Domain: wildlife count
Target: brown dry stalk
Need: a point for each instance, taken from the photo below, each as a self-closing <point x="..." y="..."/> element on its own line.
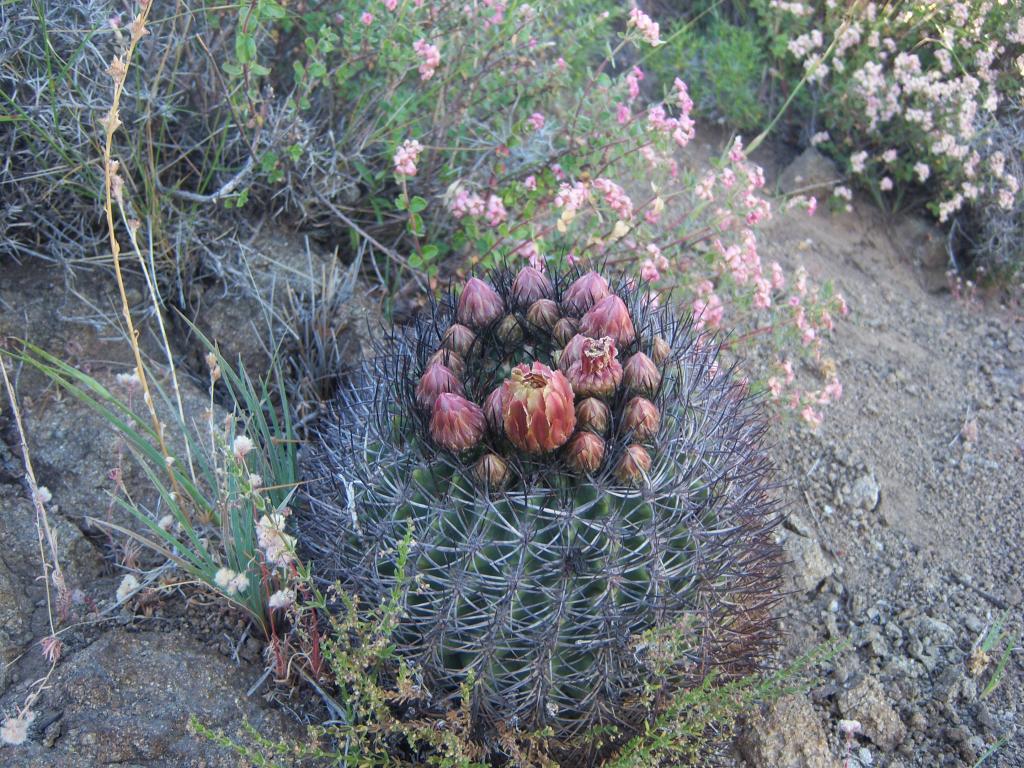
<point x="113" y="186"/>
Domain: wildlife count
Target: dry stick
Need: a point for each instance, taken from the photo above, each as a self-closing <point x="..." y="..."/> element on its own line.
<point x="118" y="72"/>
<point x="46" y="538"/>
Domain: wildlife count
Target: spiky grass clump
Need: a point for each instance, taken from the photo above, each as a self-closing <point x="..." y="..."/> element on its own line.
<point x="534" y="575"/>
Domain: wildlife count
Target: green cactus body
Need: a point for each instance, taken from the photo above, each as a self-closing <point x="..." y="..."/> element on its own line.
<point x="538" y="591"/>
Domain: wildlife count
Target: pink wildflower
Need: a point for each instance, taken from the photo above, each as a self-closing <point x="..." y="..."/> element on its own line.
<point x="885" y="184"/>
<point x="496" y="212"/>
<point x="648" y="29"/>
<point x="649" y="272"/>
<point x="406" y="157"/>
<point x="622" y="114"/>
<point x="812" y="417"/>
<point x="391" y="5"/>
<point x="536" y="121"/>
<point x="366" y="18"/>
<point x="530" y="182"/>
<point x="430" y="58"/>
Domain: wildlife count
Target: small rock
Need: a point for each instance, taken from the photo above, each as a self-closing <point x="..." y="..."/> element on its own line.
<point x="786" y="734"/>
<point x="810" y="565"/>
<point x="810" y="173"/>
<point x="866" y="702"/>
<point x="864" y="493"/>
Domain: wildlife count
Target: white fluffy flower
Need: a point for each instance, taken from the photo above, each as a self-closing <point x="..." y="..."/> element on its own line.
<point x="127" y="586"/>
<point x="241" y="446"/>
<point x="14" y="730"/>
<point x="283" y="598"/>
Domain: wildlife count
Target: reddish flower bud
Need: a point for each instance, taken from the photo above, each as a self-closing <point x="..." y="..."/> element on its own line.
<point x="642" y="417"/>
<point x="436" y="380"/>
<point x="660" y="350"/>
<point x="572" y="351"/>
<point x="531" y="285"/>
<point x="597" y="373"/>
<point x="459" y="338"/>
<point x="543" y="315"/>
<point x="491" y="471"/>
<point x="584" y="293"/>
<point x="593" y="415"/>
<point x="479" y="305"/>
<point x="609" y="317"/>
<point x="457" y="424"/>
<point x="510" y="331"/>
<point x="450" y="359"/>
<point x="634" y="465"/>
<point x="564" y="330"/>
<point x="493" y="412"/>
<point x="641" y="375"/>
<point x="585" y="452"/>
<point x="537" y="405"/>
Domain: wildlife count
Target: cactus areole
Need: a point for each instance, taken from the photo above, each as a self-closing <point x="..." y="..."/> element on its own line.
<point x="567" y="496"/>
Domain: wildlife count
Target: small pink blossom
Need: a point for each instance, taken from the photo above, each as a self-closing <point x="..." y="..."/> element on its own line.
<point x="406" y="157"/>
<point x="391" y="5"/>
<point x="536" y="121"/>
<point x="811" y="417"/>
<point x="812" y="205"/>
<point x="430" y="58"/>
<point x="622" y="114"/>
<point x="649" y="271"/>
<point x="778" y="278"/>
<point x="648" y="29"/>
<point x="495" y="212"/>
<point x="366" y="18"/>
<point x="885" y="184"/>
<point x="530" y="182"/>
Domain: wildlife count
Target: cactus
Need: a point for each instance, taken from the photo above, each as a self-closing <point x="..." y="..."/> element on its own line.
<point x="551" y="527"/>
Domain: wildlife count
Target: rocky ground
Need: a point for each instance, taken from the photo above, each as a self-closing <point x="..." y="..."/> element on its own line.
<point x="905" y="517"/>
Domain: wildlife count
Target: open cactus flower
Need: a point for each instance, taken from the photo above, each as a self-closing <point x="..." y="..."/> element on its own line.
<point x="575" y="472"/>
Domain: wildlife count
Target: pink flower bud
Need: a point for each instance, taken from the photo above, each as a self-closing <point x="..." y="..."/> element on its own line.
<point x="491" y="471"/>
<point x="660" y="350"/>
<point x="459" y="338"/>
<point x="564" y="330"/>
<point x="450" y="359"/>
<point x="537" y="406"/>
<point x="641" y="375"/>
<point x="641" y="416"/>
<point x="543" y="315"/>
<point x="457" y="424"/>
<point x="479" y="305"/>
<point x="584" y="293"/>
<point x="572" y="351"/>
<point x="593" y="415"/>
<point x="493" y="412"/>
<point x="435" y="381"/>
<point x="597" y="373"/>
<point x="585" y="452"/>
<point x="530" y="285"/>
<point x="609" y="317"/>
<point x="634" y="465"/>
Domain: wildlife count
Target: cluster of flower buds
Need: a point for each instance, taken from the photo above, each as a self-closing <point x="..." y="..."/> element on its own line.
<point x="561" y="387"/>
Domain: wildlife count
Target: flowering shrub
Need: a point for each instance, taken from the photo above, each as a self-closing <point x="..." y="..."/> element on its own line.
<point x="570" y="195"/>
<point x="909" y="93"/>
<point x="908" y="97"/>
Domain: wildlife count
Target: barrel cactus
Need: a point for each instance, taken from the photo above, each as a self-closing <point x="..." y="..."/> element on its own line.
<point x="576" y="471"/>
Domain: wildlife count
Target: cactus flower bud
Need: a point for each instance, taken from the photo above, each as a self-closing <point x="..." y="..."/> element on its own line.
<point x="459" y="339"/>
<point x="585" y="452"/>
<point x="436" y="380"/>
<point x="510" y="331"/>
<point x="457" y="424"/>
<point x="660" y="350"/>
<point x="543" y="315"/>
<point x="596" y="373"/>
<point x="593" y="415"/>
<point x="609" y="317"/>
<point x="479" y="305"/>
<point x="531" y="285"/>
<point x="634" y="465"/>
<point x="641" y="375"/>
<point x="642" y="417"/>
<point x="493" y="412"/>
<point x="572" y="351"/>
<point x="450" y="359"/>
<point x="584" y="293"/>
<point x="564" y="330"/>
<point x="491" y="471"/>
<point x="537" y="406"/>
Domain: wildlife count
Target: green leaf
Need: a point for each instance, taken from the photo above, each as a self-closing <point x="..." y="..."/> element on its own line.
<point x="245" y="48"/>
<point x="417" y="204"/>
<point x="430" y="252"/>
